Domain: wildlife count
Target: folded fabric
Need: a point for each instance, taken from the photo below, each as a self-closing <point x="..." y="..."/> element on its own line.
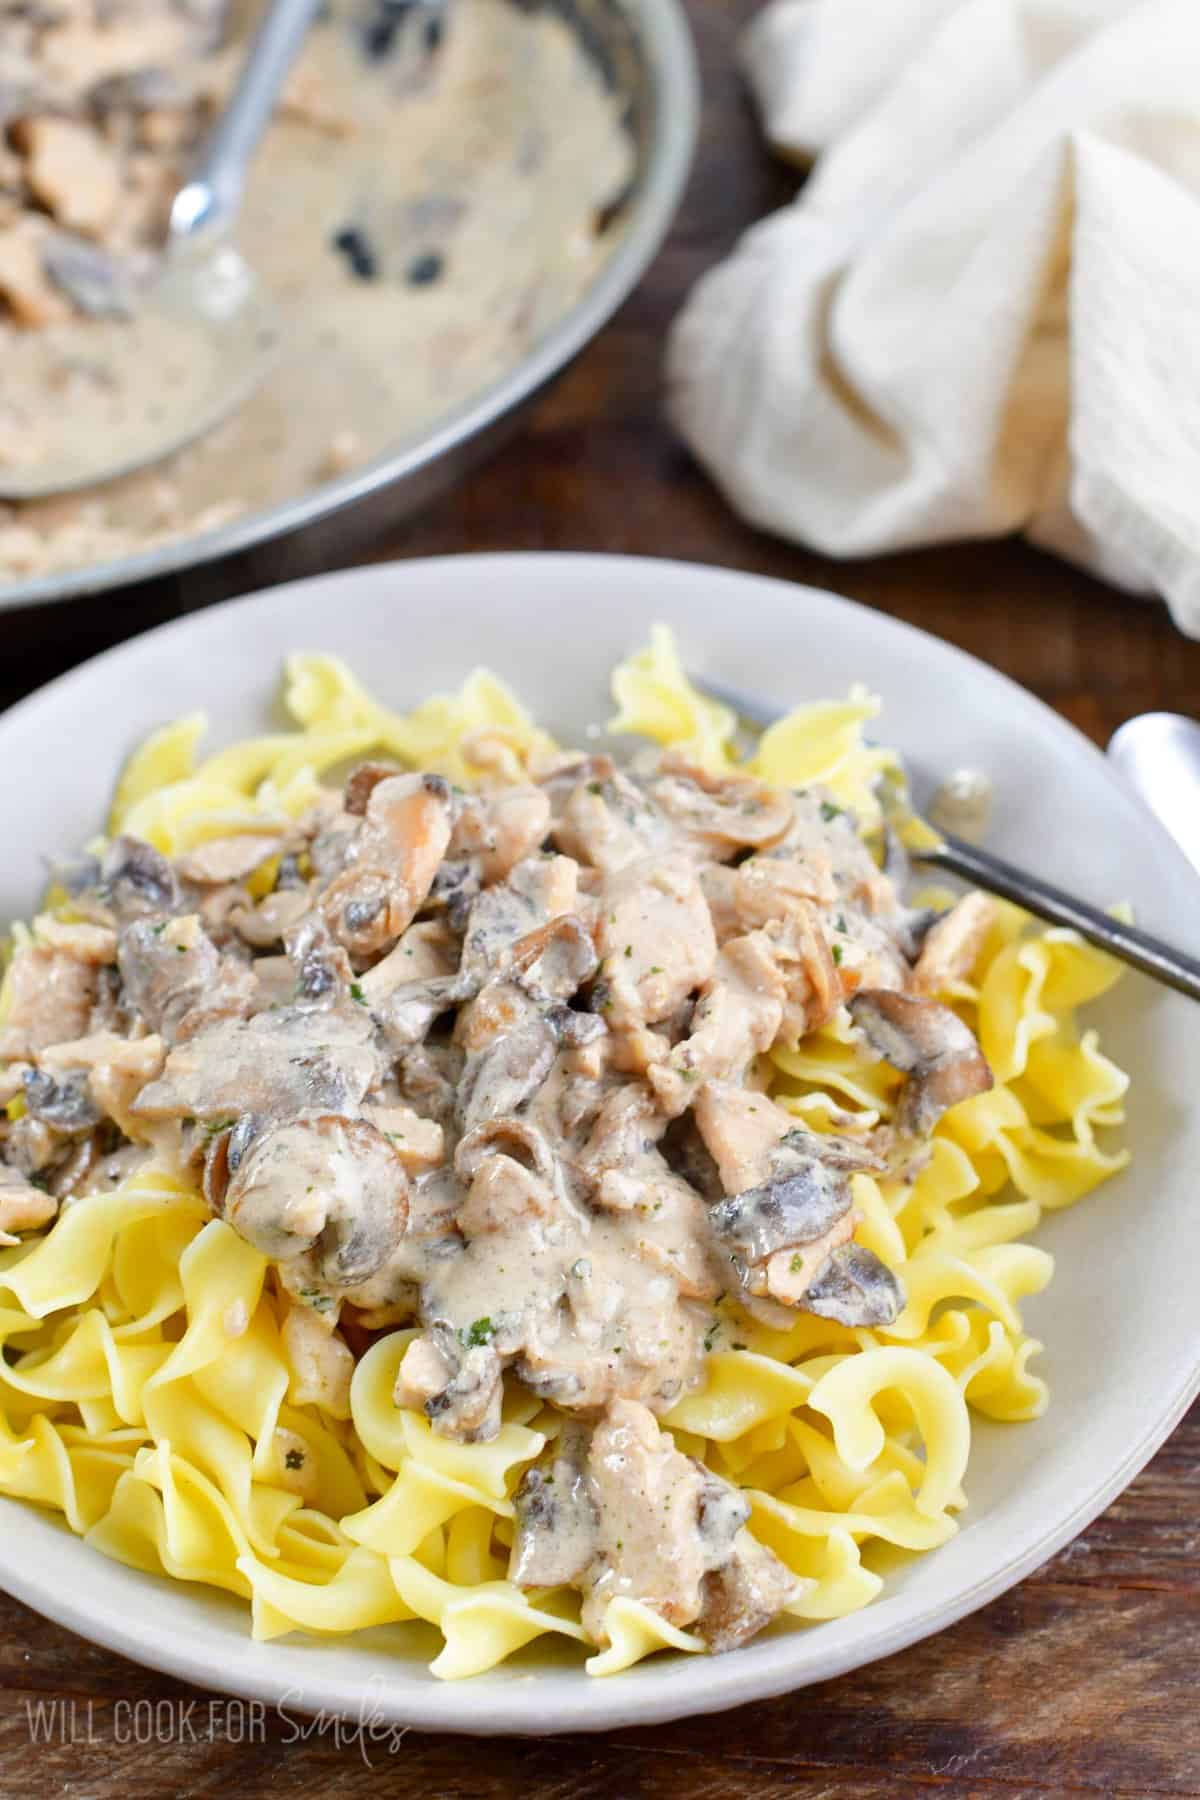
<point x="982" y="313"/>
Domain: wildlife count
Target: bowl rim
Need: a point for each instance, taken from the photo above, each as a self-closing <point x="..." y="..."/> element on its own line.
<point x="468" y="1708"/>
<point x="668" y="53"/>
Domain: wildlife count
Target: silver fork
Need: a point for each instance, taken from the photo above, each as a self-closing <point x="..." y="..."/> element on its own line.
<point x="1138" y="948"/>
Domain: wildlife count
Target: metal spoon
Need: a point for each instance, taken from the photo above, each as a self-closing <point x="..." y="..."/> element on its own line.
<point x="205" y="285"/>
<point x="1159" y="756"/>
<point x="982" y="869"/>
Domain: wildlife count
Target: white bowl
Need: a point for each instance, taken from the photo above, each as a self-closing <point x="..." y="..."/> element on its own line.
<point x="1120" y="1321"/>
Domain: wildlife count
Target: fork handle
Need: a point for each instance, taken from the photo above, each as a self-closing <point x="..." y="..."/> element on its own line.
<point x="1145" y="952"/>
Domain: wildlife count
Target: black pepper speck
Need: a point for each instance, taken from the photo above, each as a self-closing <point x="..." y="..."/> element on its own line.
<point x="425" y="269"/>
<point x="355" y="246"/>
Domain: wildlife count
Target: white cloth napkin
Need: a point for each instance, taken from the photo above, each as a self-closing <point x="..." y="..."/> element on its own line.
<point x="982" y="313"/>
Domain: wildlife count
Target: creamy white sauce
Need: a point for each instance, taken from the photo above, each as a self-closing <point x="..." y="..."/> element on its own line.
<point x="475" y="201"/>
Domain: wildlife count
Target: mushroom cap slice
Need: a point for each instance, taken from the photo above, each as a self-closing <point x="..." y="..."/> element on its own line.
<point x="324" y="1184"/>
<point x="796" y="1207"/>
<point x="855" y="1288"/>
<point x="930" y="1043"/>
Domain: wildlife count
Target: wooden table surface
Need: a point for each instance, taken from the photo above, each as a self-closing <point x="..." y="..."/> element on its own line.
<point x="1083" y="1680"/>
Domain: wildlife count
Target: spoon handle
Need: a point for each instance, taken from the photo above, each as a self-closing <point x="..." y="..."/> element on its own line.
<point x="1159" y="756"/>
<point x="1150" y="954"/>
<point x="210" y="198"/>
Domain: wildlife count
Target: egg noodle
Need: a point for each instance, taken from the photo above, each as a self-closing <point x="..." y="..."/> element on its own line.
<point x="145" y="1389"/>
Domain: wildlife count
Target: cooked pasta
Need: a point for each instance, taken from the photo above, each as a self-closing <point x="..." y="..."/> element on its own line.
<point x="172" y="1381"/>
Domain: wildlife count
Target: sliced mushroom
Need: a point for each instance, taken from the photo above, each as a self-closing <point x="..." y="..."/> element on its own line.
<point x="855" y="1288"/>
<point x="791" y="1209"/>
<point x="265" y="925"/>
<point x="511" y="1049"/>
<point x="327" y="1185"/>
<point x="457" y="1385"/>
<point x="324" y="975"/>
<point x="512" y="1031"/>
<point x="136" y="879"/>
<point x="275" y="1064"/>
<point x="939" y="1054"/>
<point x="67" y="1104"/>
<point x="748" y="1590"/>
<point x="175" y="978"/>
<point x="556" y="1517"/>
<point x="720" y="815"/>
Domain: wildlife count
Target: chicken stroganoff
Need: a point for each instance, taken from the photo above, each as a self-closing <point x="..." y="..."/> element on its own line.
<point x="564" y="1136"/>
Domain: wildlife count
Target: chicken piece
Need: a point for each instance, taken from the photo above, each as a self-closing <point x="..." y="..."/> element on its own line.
<point x="655" y="938"/>
<point x="741" y="1129"/>
<point x="938" y="1053"/>
<point x="320" y="1365"/>
<point x="719" y="885"/>
<point x="672" y="1234"/>
<point x="768" y="888"/>
<point x="89" y="943"/>
<point x="518" y="819"/>
<point x="419" y="1143"/>
<point x="51" y="997"/>
<point x="226" y="859"/>
<point x="330" y="1186"/>
<point x="737" y="1017"/>
<point x="424" y="953"/>
<point x="824" y="834"/>
<point x="390" y="863"/>
<point x="647" y="1498"/>
<point x="25" y="288"/>
<point x="789" y="1275"/>
<point x="71" y="170"/>
<point x="458" y="1386"/>
<point x="750" y="1138"/>
<point x="504" y="1193"/>
<point x="951" y="945"/>
<point x="273" y="1065"/>
<point x="23" y="1207"/>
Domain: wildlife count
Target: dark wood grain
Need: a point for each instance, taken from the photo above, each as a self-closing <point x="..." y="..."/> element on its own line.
<point x="1082" y="1681"/>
